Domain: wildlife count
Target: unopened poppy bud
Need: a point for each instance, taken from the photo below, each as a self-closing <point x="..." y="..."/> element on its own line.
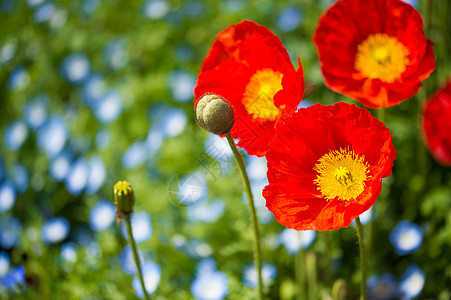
<point x="123" y="199"/>
<point x="214" y="114"/>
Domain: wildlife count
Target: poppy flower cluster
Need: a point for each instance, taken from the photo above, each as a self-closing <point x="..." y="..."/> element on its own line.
<point x="325" y="163"/>
<point x="373" y="51"/>
<point x="436" y="122"/>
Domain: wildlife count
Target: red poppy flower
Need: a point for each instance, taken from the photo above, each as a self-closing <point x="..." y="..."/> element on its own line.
<point x="325" y="166"/>
<point x="373" y="51"/>
<point x="248" y="67"/>
<point x="436" y="125"/>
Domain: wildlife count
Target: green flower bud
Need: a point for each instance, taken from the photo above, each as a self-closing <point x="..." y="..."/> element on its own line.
<point x="123" y="199"/>
<point x="214" y="114"/>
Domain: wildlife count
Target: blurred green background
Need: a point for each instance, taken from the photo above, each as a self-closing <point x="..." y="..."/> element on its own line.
<point x="98" y="91"/>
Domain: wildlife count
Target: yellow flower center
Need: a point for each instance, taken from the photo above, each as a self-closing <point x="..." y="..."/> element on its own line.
<point x="122" y="188"/>
<point x="382" y="57"/>
<point x="341" y="173"/>
<point x="258" y="98"/>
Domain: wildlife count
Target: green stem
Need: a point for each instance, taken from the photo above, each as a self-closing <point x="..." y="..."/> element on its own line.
<point x="131" y="241"/>
<point x="299" y="273"/>
<point x="363" y="260"/>
<point x="310" y="263"/>
<point x="254" y="220"/>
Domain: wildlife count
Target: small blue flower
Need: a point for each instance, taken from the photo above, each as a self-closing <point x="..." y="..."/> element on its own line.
<point x="77" y="176"/>
<point x="69" y="252"/>
<point x="102" y="215"/>
<point x="294" y="240"/>
<point x="206" y="265"/>
<point x="52" y="136"/>
<point x="35" y="112"/>
<point x="155" y="9"/>
<point x="412" y="282"/>
<point x="210" y="285"/>
<point x="15" y="135"/>
<point x="192" y="188"/>
<point x="206" y="212"/>
<point x="383" y="287"/>
<point x="173" y="123"/>
<point x="75" y="68"/>
<point x="19" y="177"/>
<point x="60" y="165"/>
<point x="55" y="230"/>
<point x="154" y="140"/>
<point x="406" y="237"/>
<point x="197" y="249"/>
<point x="256" y="169"/>
<point x="10" y="229"/>
<point x="135" y="155"/>
<point x="89" y="6"/>
<point x="181" y="84"/>
<point x="97" y="174"/>
<point x="93" y="89"/>
<point x="109" y="107"/>
<point x="18" y="79"/>
<point x="151" y="275"/>
<point x="35" y="3"/>
<point x="115" y="54"/>
<point x="289" y="18"/>
<point x="4" y="263"/>
<point x="250" y="275"/>
<point x="141" y="227"/>
<point x="127" y="260"/>
<point x="7" y="196"/>
<point x="44" y="12"/>
<point x="7" y="52"/>
<point x="218" y="148"/>
<point x="14" y="278"/>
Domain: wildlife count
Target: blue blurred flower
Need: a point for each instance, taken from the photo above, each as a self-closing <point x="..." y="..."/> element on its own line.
<point x="294" y="240"/>
<point x="412" y="282"/>
<point x="250" y="275"/>
<point x="93" y="89"/>
<point x="55" y="230"/>
<point x="96" y="177"/>
<point x="7" y="52"/>
<point x="19" y="177"/>
<point x="192" y="188"/>
<point x="154" y="140"/>
<point x="52" y="136"/>
<point x="115" y="54"/>
<point x="206" y="265"/>
<point x="58" y="19"/>
<point x="414" y="3"/>
<point x="127" y="260"/>
<point x="69" y="252"/>
<point x="4" y="263"/>
<point x="15" y="135"/>
<point x="44" y="12"/>
<point x="10" y="229"/>
<point x="264" y="215"/>
<point x="7" y="196"/>
<point x="183" y="53"/>
<point x="232" y="6"/>
<point x="18" y="79"/>
<point x="174" y="122"/>
<point x="151" y="275"/>
<point x="256" y="169"/>
<point x="406" y="237"/>
<point x="205" y="211"/>
<point x="102" y="215"/>
<point x="77" y="176"/>
<point x="109" y="107"/>
<point x="193" y="8"/>
<point x="155" y="9"/>
<point x="141" y="226"/>
<point x="305" y="103"/>
<point x="75" y="68"/>
<point x="7" y="5"/>
<point x="89" y="6"/>
<point x="14" y="278"/>
<point x="197" y="249"/>
<point x="218" y="147"/>
<point x="210" y="285"/>
<point x="35" y="111"/>
<point x="181" y="84"/>
<point x="383" y="287"/>
<point x="35" y="3"/>
<point x="60" y="165"/>
<point x="289" y="18"/>
<point x="135" y="155"/>
<point x="103" y="139"/>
